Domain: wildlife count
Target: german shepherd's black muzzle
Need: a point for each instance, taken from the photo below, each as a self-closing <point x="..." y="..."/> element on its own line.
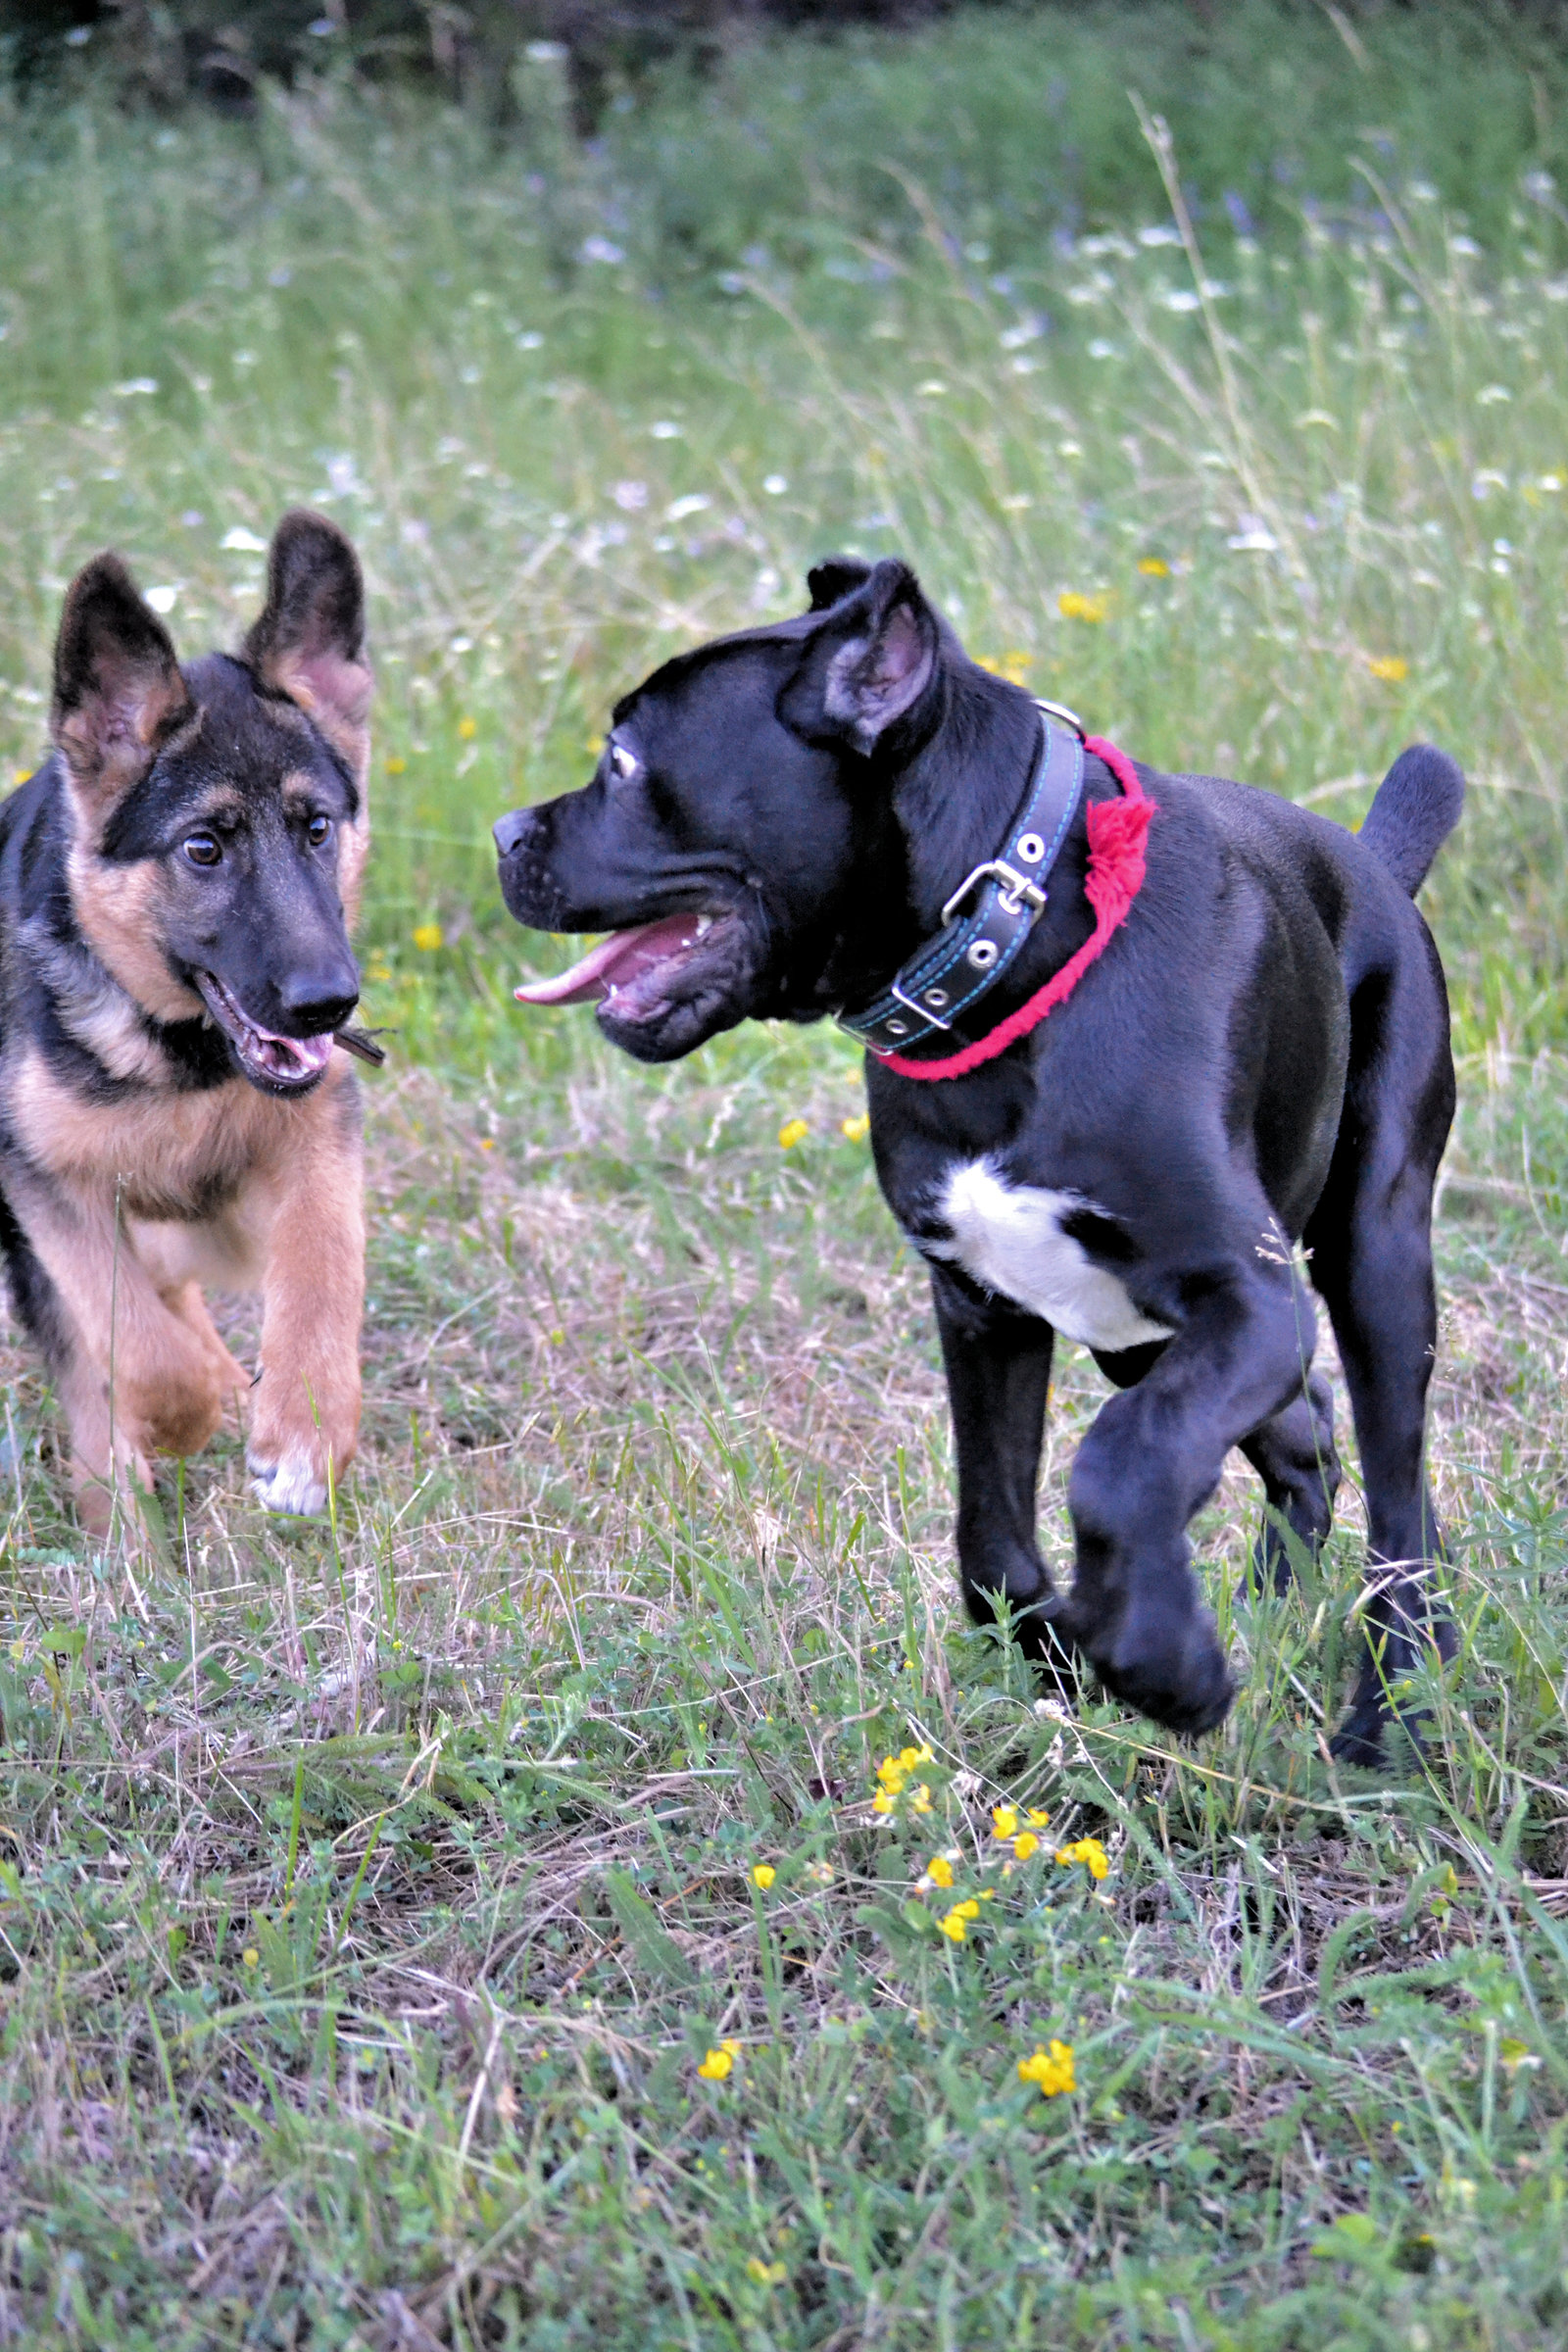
<point x="1257" y="1066"/>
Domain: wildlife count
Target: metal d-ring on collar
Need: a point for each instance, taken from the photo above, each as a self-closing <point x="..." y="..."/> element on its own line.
<point x="940" y="984"/>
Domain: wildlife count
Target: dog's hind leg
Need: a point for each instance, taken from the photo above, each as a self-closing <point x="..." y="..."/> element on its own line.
<point x="1293" y="1454"/>
<point x="998" y="1362"/>
<point x="1371" y="1236"/>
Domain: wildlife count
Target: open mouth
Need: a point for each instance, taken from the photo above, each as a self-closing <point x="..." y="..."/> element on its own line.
<point x="283" y="1066"/>
<point x="637" y="974"/>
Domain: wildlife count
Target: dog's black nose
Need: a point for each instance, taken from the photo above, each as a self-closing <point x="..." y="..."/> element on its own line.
<point x="510" y="830"/>
<point x="313" y="1002"/>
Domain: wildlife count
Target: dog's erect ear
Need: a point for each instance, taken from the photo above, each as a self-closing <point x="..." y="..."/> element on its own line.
<point x="831" y="580"/>
<point x="868" y="664"/>
<point x="118" y="691"/>
<point x="310" y="640"/>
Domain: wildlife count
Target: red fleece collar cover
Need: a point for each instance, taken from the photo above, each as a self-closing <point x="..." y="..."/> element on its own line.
<point x="1118" y="831"/>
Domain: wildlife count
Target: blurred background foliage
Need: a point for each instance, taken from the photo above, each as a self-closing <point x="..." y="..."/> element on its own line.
<point x="1258" y="90"/>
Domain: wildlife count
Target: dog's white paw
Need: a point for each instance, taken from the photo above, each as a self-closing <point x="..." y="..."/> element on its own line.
<point x="290" y="1485"/>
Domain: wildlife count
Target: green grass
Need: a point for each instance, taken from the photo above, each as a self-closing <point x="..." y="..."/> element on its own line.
<point x="371" y="1892"/>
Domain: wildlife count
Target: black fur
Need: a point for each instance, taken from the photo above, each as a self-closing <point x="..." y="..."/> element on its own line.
<point x="1260" y="1059"/>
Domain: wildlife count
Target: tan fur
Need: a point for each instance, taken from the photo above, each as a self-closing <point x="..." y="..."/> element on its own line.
<point x="107" y="1200"/>
<point x="307" y="1410"/>
<point x="338" y="712"/>
<point x="107" y="741"/>
<point x="118" y="907"/>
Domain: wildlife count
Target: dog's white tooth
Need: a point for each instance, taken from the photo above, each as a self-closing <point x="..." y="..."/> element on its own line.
<point x="705" y="922"/>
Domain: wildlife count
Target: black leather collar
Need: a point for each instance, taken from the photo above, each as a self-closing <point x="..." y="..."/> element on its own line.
<point x="934" y="1000"/>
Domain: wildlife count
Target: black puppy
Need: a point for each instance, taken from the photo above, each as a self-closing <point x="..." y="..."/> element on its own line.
<point x="843" y="814"/>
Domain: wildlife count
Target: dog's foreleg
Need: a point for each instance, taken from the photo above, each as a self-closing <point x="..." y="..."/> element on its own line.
<point x="998" y="1362"/>
<point x="1293" y="1454"/>
<point x="306" y="1419"/>
<point x="1151" y="1460"/>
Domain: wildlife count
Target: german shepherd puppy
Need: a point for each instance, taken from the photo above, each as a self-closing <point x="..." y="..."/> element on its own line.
<point x="176" y="883"/>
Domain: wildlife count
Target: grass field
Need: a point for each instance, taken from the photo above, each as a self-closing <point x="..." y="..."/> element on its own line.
<point x="376" y="1895"/>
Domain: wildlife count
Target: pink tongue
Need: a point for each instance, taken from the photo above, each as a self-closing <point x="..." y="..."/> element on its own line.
<point x="315" y="1052"/>
<point x="616" y="961"/>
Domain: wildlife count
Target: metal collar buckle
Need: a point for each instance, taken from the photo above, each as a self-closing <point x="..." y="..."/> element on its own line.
<point x="1017" y="891"/>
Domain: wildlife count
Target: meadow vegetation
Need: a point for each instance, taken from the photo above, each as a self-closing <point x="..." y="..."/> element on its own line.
<point x="488" y="1916"/>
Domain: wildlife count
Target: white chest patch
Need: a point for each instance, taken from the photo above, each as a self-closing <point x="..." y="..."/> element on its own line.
<point x="1009" y="1238"/>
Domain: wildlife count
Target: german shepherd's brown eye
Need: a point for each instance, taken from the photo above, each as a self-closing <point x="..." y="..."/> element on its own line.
<point x="202" y="850"/>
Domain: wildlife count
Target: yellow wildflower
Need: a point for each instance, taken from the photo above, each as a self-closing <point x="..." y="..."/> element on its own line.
<point x="428" y="937"/>
<point x="793" y="1132"/>
<point x="1153" y="567"/>
<point x="1037" y="1819"/>
<point x="938" y="1870"/>
<point x="882" y="1802"/>
<point x="856" y="1131"/>
<point x="1051" y="2070"/>
<point x="1393" y="668"/>
<point x="1024" y="1844"/>
<point x="250" y="1955"/>
<point x="920" y="1801"/>
<point x="1088" y="1851"/>
<point x="763" y="1875"/>
<point x="396" y="765"/>
<point x="765" y="2274"/>
<point x="716" y="2064"/>
<point x="957" y="1922"/>
<point x="1003" y="1822"/>
<point x="1073" y="606"/>
<point x="467" y="729"/>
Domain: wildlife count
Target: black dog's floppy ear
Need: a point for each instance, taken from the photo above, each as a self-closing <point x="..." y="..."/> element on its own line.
<point x="831" y="580"/>
<point x="309" y="642"/>
<point x="868" y="664"/>
<point x="118" y="691"/>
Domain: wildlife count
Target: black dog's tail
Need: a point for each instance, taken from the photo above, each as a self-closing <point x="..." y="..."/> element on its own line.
<point x="1416" y="808"/>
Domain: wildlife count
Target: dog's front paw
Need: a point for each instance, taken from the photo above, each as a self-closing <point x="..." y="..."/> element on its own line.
<point x="1169" y="1666"/>
<point x="295" y="1482"/>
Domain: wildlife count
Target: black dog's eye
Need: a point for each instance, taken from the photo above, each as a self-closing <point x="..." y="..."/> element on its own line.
<point x="622" y="764"/>
<point x="202" y="850"/>
<point x="318" y="832"/>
